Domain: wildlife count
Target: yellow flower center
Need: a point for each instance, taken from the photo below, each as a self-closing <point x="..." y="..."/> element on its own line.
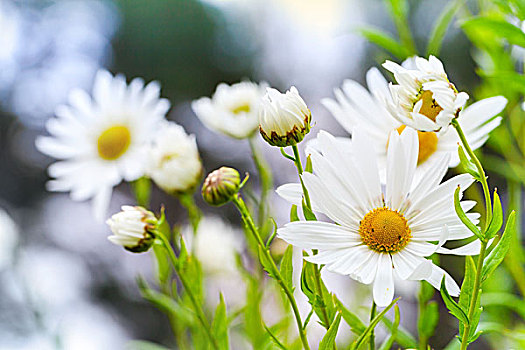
<point x="428" y="141"/>
<point x="429" y="108"/>
<point x="113" y="142"/>
<point x="241" y="108"/>
<point x="384" y="230"/>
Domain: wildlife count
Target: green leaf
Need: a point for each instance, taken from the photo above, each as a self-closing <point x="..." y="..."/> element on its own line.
<point x="463" y="217"/>
<point x="403" y="338"/>
<point x="451" y="304"/>
<point x="253" y="324"/>
<point x="497" y="217"/>
<point x="144" y="345"/>
<point x="387" y="344"/>
<point x="510" y="79"/>
<point x="384" y="41"/>
<point x="328" y="341"/>
<point x="310" y="289"/>
<point x="499" y="27"/>
<point x="162" y="263"/>
<point x="308" y="214"/>
<point x="287" y="268"/>
<point x="465" y="295"/>
<point x="275" y="339"/>
<point x="359" y="341"/>
<point x="142" y="191"/>
<point x="440" y="28"/>
<point x="356" y="325"/>
<point x="507" y="300"/>
<point x="309" y="168"/>
<point x="272" y="236"/>
<point x="467" y="165"/>
<point x="266" y="264"/>
<point x="219" y="326"/>
<point x="428" y="319"/>
<point x="293" y="214"/>
<point x="497" y="255"/>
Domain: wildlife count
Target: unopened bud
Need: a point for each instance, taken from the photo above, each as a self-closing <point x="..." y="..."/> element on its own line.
<point x="133" y="228"/>
<point x="220" y="186"/>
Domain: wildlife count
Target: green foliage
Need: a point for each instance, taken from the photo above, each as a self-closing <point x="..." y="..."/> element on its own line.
<point x="465" y="296"/>
<point x="467" y="165"/>
<point x="361" y="339"/>
<point x="356" y="325"/>
<point x="266" y="263"/>
<point x="440" y="28"/>
<point x="319" y="304"/>
<point x="497" y="217"/>
<point x="328" y="341"/>
<point x="387" y="344"/>
<point x="385" y="41"/>
<point x="403" y="337"/>
<point x="499" y="27"/>
<point x="293" y="214"/>
<point x="308" y="213"/>
<point x="463" y="217"/>
<point x="428" y="311"/>
<point x="506" y="300"/>
<point x="219" y="325"/>
<point x="452" y="306"/>
<point x="253" y="324"/>
<point x="287" y="267"/>
<point x="497" y="255"/>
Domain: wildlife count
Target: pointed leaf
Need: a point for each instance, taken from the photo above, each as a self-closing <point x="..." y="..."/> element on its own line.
<point x="385" y="41"/>
<point x="403" y="338"/>
<point x="451" y="304"/>
<point x="266" y="264"/>
<point x="463" y="217"/>
<point x="467" y="165"/>
<point x="287" y="268"/>
<point x="309" y="168"/>
<point x="328" y="341"/>
<point x="440" y="28"/>
<point x="499" y="27"/>
<point x="293" y="214"/>
<point x="275" y="339"/>
<point x="308" y="213"/>
<point x="219" y="325"/>
<point x="497" y="255"/>
<point x="497" y="217"/>
<point x="356" y="325"/>
<point x="387" y="344"/>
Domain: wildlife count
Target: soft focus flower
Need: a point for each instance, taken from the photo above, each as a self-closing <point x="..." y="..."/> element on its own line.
<point x="220" y="186"/>
<point x="102" y="140"/>
<point x="215" y="245"/>
<point x="133" y="228"/>
<point x="8" y="237"/>
<point x="354" y="106"/>
<point x="175" y="164"/>
<point x="424" y="98"/>
<point x="284" y="119"/>
<point x="381" y="233"/>
<point x="232" y="110"/>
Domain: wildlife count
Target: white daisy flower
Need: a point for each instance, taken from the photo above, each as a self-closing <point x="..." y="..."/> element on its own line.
<point x="284" y="119"/>
<point x="355" y="106"/>
<point x="380" y="232"/>
<point x="101" y="141"/>
<point x="174" y="161"/>
<point x="232" y="109"/>
<point x="424" y="98"/>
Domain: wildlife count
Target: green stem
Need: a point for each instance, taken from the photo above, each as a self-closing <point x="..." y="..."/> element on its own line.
<point x="483" y="177"/>
<point x="372" y="342"/>
<point x="248" y="221"/>
<point x="196" y="305"/>
<point x="475" y="295"/>
<point x="317" y="271"/>
<point x="300" y="171"/>
<point x="266" y="183"/>
<point x="194" y="213"/>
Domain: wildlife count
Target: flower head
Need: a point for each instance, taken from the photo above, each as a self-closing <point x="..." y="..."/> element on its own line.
<point x="174" y="161"/>
<point x="284" y="119"/>
<point x="232" y="110"/>
<point x="133" y="228"/>
<point x="220" y="186"/>
<point x="354" y="106"/>
<point x="382" y="232"/>
<point x="101" y="140"/>
<point x="424" y="98"/>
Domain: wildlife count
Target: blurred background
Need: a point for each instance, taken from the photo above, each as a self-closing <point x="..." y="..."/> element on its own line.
<point x="64" y="286"/>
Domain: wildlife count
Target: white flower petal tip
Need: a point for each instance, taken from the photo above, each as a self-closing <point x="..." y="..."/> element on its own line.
<point x="232" y="110"/>
<point x="292" y="192"/>
<point x="133" y="228"/>
<point x="380" y="230"/>
<point x="284" y="119"/>
<point x="102" y="139"/>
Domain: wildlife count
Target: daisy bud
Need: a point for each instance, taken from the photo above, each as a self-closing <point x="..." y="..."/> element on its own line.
<point x="284" y="119"/>
<point x="220" y="186"/>
<point x="133" y="228"/>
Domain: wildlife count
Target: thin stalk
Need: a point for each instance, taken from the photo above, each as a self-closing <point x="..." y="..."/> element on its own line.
<point x="266" y="183"/>
<point x="248" y="221"/>
<point x="372" y="342"/>
<point x="194" y="213"/>
<point x="475" y="295"/>
<point x="317" y="271"/>
<point x="477" y="163"/>
<point x="196" y="305"/>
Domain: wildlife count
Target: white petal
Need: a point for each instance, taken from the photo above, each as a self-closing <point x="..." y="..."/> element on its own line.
<point x="383" y="290"/>
<point x="292" y="192"/>
<point x="318" y="235"/>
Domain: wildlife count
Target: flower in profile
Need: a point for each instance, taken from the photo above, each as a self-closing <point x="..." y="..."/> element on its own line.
<point x="381" y="233"/>
<point x="101" y="141"/>
<point x="424" y="98"/>
<point x="174" y="161"/>
<point x="133" y="228"/>
<point x="284" y="119"/>
<point x="354" y="106"/>
<point x="232" y="109"/>
<point x="220" y="186"/>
